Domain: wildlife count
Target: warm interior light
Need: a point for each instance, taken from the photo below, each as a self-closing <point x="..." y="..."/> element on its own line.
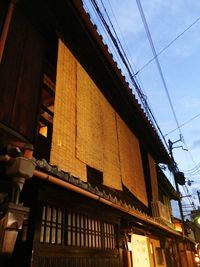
<point x="178" y="227"/>
<point x="196" y="258"/>
<point x="43" y="131"/>
<point x="151" y="248"/>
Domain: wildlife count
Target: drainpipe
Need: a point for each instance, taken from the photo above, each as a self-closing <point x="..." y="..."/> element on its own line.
<point x="74" y="188"/>
<point x="6" y="27"/>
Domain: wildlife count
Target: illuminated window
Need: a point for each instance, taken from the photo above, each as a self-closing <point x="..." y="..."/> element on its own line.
<point x="46" y="113"/>
<point x="43" y="130"/>
<point x="70" y="228"/>
<point x="51" y="227"/>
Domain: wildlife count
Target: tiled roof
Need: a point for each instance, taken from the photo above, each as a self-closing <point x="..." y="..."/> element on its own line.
<point x="118" y="203"/>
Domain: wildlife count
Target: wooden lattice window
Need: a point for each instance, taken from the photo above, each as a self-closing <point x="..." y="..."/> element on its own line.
<point x="69" y="228"/>
<point x="159" y="256"/>
<point x="51" y="228"/>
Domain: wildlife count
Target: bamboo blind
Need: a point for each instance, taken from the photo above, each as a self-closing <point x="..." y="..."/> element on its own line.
<point x="112" y="168"/>
<point x="131" y="163"/>
<point x="89" y="122"/>
<point x="87" y="130"/>
<point x="64" y="130"/>
<point x="97" y="143"/>
<point x="153" y="174"/>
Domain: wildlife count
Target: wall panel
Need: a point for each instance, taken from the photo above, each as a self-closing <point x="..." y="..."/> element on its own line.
<point x="20" y="75"/>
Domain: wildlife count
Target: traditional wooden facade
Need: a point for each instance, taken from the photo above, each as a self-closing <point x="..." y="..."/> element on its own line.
<point x="91" y="194"/>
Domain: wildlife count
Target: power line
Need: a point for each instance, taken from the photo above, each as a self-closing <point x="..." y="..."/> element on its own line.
<point x="183" y="124"/>
<point x="123" y="57"/>
<point x="117" y="38"/>
<point x="111" y="32"/>
<point x="127" y="65"/>
<point x="195" y="172"/>
<point x="167" y="46"/>
<point x="119" y="42"/>
<point x="189" y="198"/>
<point x="157" y="61"/>
<point x="137" y="78"/>
<point x="195" y="168"/>
<point x="102" y="26"/>
<point x="127" y="49"/>
<point x="161" y="73"/>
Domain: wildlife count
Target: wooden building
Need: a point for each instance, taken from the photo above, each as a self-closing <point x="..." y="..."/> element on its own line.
<point x="80" y="183"/>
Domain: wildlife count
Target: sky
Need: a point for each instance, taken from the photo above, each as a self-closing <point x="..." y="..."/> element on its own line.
<point x="180" y="67"/>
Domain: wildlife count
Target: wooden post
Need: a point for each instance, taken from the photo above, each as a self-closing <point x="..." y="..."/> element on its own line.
<point x="6" y="27"/>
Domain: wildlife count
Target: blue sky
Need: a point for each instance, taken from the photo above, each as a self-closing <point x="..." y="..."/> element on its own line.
<point x="179" y="63"/>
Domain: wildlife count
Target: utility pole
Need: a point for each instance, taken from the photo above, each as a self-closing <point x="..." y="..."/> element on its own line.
<point x="174" y="171"/>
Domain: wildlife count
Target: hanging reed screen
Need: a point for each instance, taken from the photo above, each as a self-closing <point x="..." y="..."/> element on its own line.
<point x="88" y="131"/>
<point x="97" y="143"/>
<point x="153" y="174"/>
<point x="64" y="130"/>
<point x="131" y="162"/>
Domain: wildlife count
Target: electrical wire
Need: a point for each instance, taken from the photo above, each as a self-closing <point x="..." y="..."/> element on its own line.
<point x="126" y="47"/>
<point x="183" y="124"/>
<point x="194" y="173"/>
<point x="138" y="80"/>
<point x="167" y="46"/>
<point x="119" y="46"/>
<point x="157" y="61"/>
<point x="121" y="54"/>
<point x="105" y="32"/>
<point x="117" y="38"/>
<point x="189" y="198"/>
<point x="162" y="77"/>
<point x="161" y="73"/>
<point x="129" y="71"/>
<point x="193" y="170"/>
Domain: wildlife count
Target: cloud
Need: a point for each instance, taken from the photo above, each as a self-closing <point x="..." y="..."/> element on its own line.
<point x="167" y="19"/>
<point x="195" y="144"/>
<point x="189" y="102"/>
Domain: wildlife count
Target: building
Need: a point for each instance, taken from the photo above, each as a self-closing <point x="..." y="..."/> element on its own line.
<point x="80" y="180"/>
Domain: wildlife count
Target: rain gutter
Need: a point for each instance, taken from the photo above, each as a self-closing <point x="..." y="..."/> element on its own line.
<point x="128" y="210"/>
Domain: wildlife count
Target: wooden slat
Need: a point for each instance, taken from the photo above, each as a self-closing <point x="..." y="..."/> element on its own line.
<point x="20" y="79"/>
<point x="74" y="261"/>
